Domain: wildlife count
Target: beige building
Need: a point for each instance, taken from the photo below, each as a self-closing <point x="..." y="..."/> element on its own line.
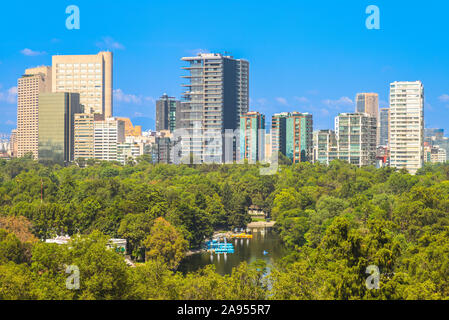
<point x="30" y="85"/>
<point x="369" y="103"/>
<point x="407" y="125"/>
<point x="89" y="75"/>
<point x="13" y="144"/>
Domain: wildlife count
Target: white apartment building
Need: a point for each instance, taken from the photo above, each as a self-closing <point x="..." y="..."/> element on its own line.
<point x="89" y="75"/>
<point x="407" y="125"/>
<point x="356" y="135"/>
<point x="108" y="134"/>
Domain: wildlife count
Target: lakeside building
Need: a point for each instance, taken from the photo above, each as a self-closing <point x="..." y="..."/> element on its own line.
<point x="217" y="93"/>
<point x="252" y="137"/>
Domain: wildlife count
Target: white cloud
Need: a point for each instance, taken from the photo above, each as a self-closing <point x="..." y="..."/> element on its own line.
<point x="282" y="101"/>
<point x="9" y="96"/>
<point x="121" y="96"/>
<point x="31" y="53"/>
<point x="302" y="99"/>
<point x="444" y="98"/>
<point x="110" y="44"/>
<point x="10" y="123"/>
<point x="342" y="102"/>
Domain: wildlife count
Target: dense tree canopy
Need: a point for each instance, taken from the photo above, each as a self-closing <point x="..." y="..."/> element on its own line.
<point x="335" y="220"/>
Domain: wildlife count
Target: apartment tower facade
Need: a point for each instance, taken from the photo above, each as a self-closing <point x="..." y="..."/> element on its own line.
<point x="89" y="75"/>
<point x="216" y="96"/>
<point x="166" y="108"/>
<point x="407" y="125"/>
<point x="34" y="82"/>
<point x="356" y="138"/>
<point x="252" y="137"/>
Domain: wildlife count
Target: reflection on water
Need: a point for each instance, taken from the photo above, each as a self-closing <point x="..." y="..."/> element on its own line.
<point x="248" y="250"/>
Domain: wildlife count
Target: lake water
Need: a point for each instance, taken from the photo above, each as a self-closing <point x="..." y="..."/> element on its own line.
<point x="247" y="250"/>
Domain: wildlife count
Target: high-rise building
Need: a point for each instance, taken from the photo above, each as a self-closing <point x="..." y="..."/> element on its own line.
<point x="108" y="134"/>
<point x="84" y="134"/>
<point x="161" y="150"/>
<point x="435" y="137"/>
<point x="215" y="97"/>
<point x="34" y="82"/>
<point x="369" y="103"/>
<point x="407" y="125"/>
<point x="127" y="151"/>
<point x="325" y="147"/>
<point x="56" y="126"/>
<point x="433" y="132"/>
<point x="166" y="108"/>
<point x="384" y="131"/>
<point x="89" y="75"/>
<point x="13" y="144"/>
<point x="278" y="129"/>
<point x="299" y="137"/>
<point x="356" y="136"/>
<point x="434" y="154"/>
<point x="252" y="137"/>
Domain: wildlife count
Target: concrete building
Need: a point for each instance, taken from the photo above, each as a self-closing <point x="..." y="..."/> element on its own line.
<point x="108" y="134"/>
<point x="325" y="147"/>
<point x="356" y="136"/>
<point x="127" y="151"/>
<point x="384" y="130"/>
<point x="166" y="108"/>
<point x="278" y="129"/>
<point x="369" y="103"/>
<point x="13" y="144"/>
<point x="434" y="154"/>
<point x="56" y="126"/>
<point x="130" y="129"/>
<point x="34" y="82"/>
<point x="89" y="75"/>
<point x="252" y="137"/>
<point x="407" y="125"/>
<point x="161" y="151"/>
<point x="435" y="137"/>
<point x="215" y="97"/>
<point x="84" y="134"/>
<point x="299" y="137"/>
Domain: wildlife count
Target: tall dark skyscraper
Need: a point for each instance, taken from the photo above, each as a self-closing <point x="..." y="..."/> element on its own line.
<point x="216" y="95"/>
<point x="384" y="126"/>
<point x="166" y="109"/>
<point x="56" y="126"/>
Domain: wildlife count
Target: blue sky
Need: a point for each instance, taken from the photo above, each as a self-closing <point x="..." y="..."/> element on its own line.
<point x="308" y="56"/>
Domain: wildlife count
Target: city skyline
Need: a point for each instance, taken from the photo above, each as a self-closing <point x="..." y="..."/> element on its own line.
<point x="311" y="72"/>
